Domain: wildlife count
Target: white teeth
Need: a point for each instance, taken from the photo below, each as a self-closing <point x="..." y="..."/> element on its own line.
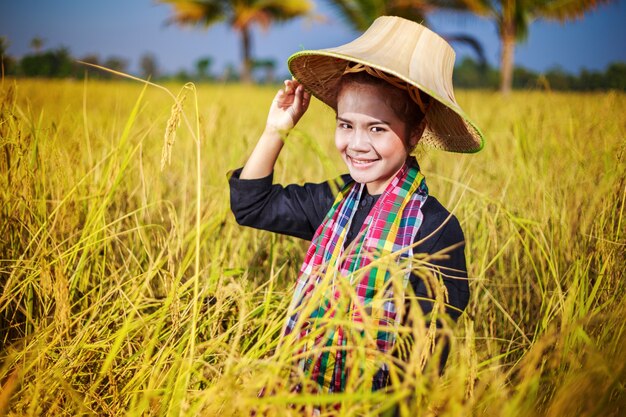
<point x="361" y="161"/>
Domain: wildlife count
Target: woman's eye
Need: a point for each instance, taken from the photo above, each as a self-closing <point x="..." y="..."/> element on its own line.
<point x="344" y="126"/>
<point x="377" y="129"/>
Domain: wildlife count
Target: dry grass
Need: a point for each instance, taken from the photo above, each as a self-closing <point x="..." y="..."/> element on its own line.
<point x="117" y="298"/>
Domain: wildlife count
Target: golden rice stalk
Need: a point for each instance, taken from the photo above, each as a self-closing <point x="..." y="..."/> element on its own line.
<point x="62" y="300"/>
<point x="175" y="309"/>
<point x="170" y="130"/>
<point x="45" y="278"/>
<point x="431" y="336"/>
<point x="470" y="355"/>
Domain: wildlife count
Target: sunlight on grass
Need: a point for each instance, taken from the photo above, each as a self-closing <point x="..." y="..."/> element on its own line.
<point x="130" y="290"/>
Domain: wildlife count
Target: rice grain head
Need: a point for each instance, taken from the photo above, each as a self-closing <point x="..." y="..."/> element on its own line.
<point x="62" y="300"/>
<point x="170" y="130"/>
<point x="471" y="358"/>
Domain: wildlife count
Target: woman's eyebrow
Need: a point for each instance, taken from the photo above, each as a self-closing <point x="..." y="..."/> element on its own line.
<point x="375" y="122"/>
<point x="378" y="122"/>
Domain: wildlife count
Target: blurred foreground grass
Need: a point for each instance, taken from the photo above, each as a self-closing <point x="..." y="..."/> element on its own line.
<point x="116" y="301"/>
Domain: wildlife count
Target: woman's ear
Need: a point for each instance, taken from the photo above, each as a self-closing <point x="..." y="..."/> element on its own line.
<point x="416" y="134"/>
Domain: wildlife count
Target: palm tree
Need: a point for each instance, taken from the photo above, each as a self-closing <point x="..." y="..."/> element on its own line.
<point x="359" y="14"/>
<point x="240" y="15"/>
<point x="513" y="18"/>
<point x="37" y="43"/>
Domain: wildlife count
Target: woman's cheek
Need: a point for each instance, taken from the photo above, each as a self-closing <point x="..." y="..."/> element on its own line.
<point x="341" y="141"/>
<point x="390" y="145"/>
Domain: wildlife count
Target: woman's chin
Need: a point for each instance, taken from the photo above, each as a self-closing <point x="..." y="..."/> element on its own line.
<point x="359" y="177"/>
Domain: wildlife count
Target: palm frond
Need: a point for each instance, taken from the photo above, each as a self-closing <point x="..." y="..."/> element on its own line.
<point x="357" y="14"/>
<point x="472" y="42"/>
<point x="480" y="7"/>
<point x="564" y="10"/>
<point x="266" y="12"/>
<point x="196" y="12"/>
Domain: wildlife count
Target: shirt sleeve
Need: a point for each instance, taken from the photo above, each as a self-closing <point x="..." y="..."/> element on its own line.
<point x="441" y="235"/>
<point x="294" y="210"/>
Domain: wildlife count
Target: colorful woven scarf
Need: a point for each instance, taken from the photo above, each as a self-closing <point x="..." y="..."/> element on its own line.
<point x="354" y="285"/>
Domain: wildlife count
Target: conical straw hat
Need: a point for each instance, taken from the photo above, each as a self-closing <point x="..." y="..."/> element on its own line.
<point x="408" y="51"/>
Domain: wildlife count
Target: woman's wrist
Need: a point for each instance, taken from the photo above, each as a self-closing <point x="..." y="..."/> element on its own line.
<point x="274" y="134"/>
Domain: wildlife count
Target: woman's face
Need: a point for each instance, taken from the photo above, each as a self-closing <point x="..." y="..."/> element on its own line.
<point x="370" y="137"/>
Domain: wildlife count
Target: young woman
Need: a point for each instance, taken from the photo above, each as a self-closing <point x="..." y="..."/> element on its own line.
<point x="391" y="88"/>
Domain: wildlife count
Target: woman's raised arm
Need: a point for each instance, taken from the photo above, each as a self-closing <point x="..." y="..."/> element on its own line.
<point x="288" y="106"/>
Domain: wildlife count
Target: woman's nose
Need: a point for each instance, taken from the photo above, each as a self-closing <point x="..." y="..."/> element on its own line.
<point x="359" y="140"/>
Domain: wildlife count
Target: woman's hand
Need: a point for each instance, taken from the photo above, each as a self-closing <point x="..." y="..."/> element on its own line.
<point x="288" y="106"/>
<point x="286" y="110"/>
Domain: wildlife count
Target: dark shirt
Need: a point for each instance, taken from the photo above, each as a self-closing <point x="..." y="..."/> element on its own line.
<point x="298" y="210"/>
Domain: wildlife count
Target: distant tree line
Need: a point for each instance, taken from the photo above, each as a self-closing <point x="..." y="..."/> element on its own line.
<point x="59" y="63"/>
<point x="471" y="74"/>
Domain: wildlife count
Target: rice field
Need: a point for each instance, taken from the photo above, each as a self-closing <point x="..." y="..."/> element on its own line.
<point x="127" y="288"/>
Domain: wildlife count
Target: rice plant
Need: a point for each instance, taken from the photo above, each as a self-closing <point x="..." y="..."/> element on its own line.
<point x="127" y="288"/>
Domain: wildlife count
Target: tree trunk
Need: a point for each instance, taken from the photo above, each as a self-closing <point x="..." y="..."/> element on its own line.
<point x="506" y="64"/>
<point x="507" y="37"/>
<point x="246" y="70"/>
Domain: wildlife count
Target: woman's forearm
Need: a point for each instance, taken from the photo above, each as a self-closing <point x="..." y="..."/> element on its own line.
<point x="263" y="158"/>
<point x="288" y="106"/>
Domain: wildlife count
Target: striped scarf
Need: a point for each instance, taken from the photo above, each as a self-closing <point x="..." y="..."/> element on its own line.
<point x="346" y="295"/>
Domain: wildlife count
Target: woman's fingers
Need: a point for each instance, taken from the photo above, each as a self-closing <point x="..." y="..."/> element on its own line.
<point x="290" y="103"/>
<point x="302" y="97"/>
<point x="290" y="87"/>
<point x="298" y="97"/>
<point x="300" y="104"/>
<point x="283" y="99"/>
<point x="306" y="99"/>
<point x="286" y="94"/>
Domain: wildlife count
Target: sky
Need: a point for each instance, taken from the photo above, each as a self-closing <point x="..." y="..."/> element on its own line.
<point x="130" y="28"/>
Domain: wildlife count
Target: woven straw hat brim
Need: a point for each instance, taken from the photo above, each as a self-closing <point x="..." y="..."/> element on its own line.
<point x="448" y="127"/>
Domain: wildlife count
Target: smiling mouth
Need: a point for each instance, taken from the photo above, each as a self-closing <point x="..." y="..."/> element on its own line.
<point x="360" y="161"/>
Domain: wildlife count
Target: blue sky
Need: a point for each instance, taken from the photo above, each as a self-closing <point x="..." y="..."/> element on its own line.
<point x="129" y="28"/>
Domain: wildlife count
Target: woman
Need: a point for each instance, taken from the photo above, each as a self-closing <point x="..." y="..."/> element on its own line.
<point x="391" y="88"/>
